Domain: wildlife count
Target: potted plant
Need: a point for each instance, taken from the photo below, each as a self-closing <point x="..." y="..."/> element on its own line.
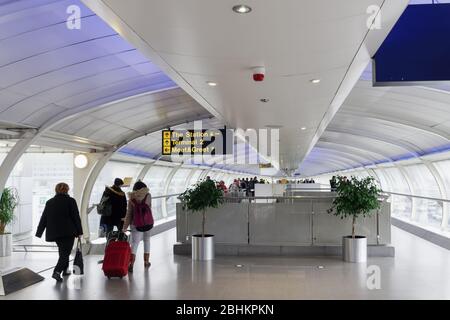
<point x="355" y="198"/>
<point x="8" y="203"/>
<point x="199" y="198"/>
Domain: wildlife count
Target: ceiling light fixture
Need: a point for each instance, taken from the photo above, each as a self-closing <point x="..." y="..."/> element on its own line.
<point x="81" y="161"/>
<point x="315" y="81"/>
<point x="241" y="8"/>
<point x="264" y="100"/>
<point x="303" y="128"/>
<point x="211" y="83"/>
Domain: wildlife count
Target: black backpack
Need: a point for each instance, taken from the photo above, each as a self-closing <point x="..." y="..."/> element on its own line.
<point x="104" y="208"/>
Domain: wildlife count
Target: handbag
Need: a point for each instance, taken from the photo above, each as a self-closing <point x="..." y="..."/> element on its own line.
<point x="78" y="265"/>
<point x="104" y="208"/>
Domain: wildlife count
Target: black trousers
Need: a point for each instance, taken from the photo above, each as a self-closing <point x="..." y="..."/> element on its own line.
<point x="65" y="246"/>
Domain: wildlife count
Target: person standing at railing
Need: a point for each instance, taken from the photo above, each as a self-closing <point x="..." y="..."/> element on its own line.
<point x="221" y="185"/>
<point x="118" y="202"/>
<point x="139" y="216"/>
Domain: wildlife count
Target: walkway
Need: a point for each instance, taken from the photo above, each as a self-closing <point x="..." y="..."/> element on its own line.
<point x="419" y="271"/>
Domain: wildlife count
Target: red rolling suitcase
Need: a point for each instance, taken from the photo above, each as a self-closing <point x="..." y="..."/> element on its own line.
<point x="117" y="258"/>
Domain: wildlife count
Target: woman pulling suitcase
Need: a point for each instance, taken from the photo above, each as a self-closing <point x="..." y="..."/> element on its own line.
<point x="139" y="216"/>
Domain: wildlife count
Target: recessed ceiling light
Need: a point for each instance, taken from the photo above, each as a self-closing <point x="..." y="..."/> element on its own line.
<point x="211" y="83"/>
<point x="315" y="81"/>
<point x="264" y="100"/>
<point x="303" y="128"/>
<point x="241" y="8"/>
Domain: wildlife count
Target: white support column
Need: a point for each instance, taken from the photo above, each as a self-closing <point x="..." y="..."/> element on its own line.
<point x="443" y="191"/>
<point x="80" y="176"/>
<point x="166" y="189"/>
<point x="11" y="159"/>
<point x="87" y="190"/>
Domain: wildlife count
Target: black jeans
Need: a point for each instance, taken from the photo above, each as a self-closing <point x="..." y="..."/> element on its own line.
<point x="65" y="246"/>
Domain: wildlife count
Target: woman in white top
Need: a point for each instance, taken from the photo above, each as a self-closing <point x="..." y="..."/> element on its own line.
<point x="140" y="194"/>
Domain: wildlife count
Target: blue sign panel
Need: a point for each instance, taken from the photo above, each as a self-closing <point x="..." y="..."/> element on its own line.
<point x="417" y="50"/>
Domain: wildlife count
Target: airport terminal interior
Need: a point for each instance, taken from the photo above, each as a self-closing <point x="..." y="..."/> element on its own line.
<point x="270" y="100"/>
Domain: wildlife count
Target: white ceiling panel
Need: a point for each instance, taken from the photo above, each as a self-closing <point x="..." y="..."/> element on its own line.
<point x="296" y="40"/>
<point x="380" y="124"/>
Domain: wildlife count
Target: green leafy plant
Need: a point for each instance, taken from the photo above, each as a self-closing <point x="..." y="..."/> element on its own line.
<point x="8" y="202"/>
<point x="202" y="196"/>
<point x="355" y="198"/>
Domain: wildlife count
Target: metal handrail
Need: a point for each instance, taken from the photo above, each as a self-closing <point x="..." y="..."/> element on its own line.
<point x="228" y="196"/>
<point x="166" y="196"/>
<point x="419" y="197"/>
<point x="156" y="197"/>
<point x="387" y="192"/>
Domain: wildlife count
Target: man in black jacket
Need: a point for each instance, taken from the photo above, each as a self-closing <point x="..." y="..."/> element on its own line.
<point x="118" y="202"/>
<point x="62" y="222"/>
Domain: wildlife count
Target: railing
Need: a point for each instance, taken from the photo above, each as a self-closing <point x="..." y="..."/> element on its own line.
<point x="418" y="197"/>
<point x="161" y="207"/>
<point x="168" y="196"/>
<point x="425" y="211"/>
<point x="25" y="248"/>
<point x="282" y="220"/>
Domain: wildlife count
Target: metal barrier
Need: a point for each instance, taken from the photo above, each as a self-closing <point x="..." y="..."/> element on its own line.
<point x="282" y="220"/>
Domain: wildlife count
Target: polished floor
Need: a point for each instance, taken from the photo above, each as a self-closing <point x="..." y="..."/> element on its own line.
<point x="420" y="270"/>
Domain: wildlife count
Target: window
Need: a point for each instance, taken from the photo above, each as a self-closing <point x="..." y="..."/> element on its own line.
<point x="156" y="179"/>
<point x="428" y="212"/>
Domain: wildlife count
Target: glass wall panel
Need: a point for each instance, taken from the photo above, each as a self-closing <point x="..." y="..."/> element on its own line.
<point x="397" y="181"/>
<point x="195" y="177"/>
<point x="443" y="168"/>
<point x="34" y="177"/>
<point x="383" y="180"/>
<point x="177" y="185"/>
<point x="156" y="179"/>
<point x="428" y="212"/>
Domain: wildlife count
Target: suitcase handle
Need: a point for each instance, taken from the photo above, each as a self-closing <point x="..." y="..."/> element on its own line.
<point x="118" y="236"/>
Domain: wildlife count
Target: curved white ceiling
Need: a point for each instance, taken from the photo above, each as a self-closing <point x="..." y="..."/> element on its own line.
<point x="382" y="124"/>
<point x="296" y="40"/>
<point x="112" y="94"/>
<point x="47" y="69"/>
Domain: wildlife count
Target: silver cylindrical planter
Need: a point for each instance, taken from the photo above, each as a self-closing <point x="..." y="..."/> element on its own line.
<point x="354" y="249"/>
<point x="202" y="247"/>
<point x="5" y="244"/>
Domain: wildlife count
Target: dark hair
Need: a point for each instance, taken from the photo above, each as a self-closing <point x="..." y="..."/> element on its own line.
<point x="118" y="182"/>
<point x="139" y="185"/>
<point x="62" y="188"/>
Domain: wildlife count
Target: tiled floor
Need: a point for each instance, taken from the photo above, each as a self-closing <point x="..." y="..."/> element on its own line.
<point x="420" y="270"/>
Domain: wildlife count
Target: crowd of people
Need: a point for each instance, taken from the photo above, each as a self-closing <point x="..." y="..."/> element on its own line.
<point x="62" y="222"/>
<point x="244" y="186"/>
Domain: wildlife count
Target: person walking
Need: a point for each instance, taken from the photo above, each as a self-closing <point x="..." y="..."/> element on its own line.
<point x="139" y="217"/>
<point x="118" y="202"/>
<point x="61" y="220"/>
